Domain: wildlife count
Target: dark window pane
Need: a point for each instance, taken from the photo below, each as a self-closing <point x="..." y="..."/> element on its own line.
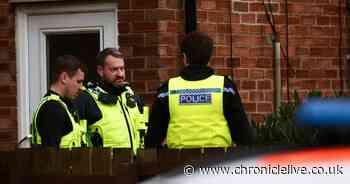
<point x="85" y="46"/>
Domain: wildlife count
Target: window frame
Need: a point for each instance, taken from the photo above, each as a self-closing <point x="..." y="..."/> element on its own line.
<point x="23" y="12"/>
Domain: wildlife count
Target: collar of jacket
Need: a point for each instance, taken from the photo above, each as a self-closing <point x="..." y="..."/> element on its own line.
<point x="196" y="72"/>
<point x="109" y="88"/>
<point x="67" y="101"/>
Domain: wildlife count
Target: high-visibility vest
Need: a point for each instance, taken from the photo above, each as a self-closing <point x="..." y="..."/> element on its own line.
<point x="118" y="125"/>
<point x="196" y="114"/>
<point x="72" y="139"/>
<point x="86" y="139"/>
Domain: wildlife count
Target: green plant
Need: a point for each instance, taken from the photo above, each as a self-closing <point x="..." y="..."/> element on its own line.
<point x="280" y="127"/>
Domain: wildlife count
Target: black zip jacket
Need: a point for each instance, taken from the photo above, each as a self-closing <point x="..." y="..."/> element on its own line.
<point x="53" y="122"/>
<point x="240" y="129"/>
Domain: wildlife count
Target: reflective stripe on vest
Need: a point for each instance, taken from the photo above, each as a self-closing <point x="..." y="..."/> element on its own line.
<point x="72" y="139"/>
<point x="196" y="114"/>
<point x="116" y="127"/>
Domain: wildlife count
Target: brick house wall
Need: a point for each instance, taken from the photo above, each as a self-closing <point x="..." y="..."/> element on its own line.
<point x="149" y="35"/>
<point x="8" y="102"/>
<point x="313" y="46"/>
<point x="150" y="32"/>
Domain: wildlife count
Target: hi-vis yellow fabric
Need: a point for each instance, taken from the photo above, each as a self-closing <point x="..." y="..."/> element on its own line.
<point x="72" y="139"/>
<point x="118" y="126"/>
<point x="196" y="114"/>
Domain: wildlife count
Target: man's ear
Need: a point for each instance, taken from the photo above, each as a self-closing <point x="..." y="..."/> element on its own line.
<point x="64" y="77"/>
<point x="100" y="70"/>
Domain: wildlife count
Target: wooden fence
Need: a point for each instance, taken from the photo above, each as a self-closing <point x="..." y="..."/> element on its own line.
<point x="95" y="166"/>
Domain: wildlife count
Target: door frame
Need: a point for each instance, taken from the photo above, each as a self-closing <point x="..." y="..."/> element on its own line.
<point x="23" y="12"/>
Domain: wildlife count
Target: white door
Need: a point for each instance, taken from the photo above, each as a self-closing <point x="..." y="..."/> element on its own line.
<point x="32" y="74"/>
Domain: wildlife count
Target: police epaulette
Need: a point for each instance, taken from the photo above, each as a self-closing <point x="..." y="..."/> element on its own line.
<point x="93" y="88"/>
<point x="91" y="85"/>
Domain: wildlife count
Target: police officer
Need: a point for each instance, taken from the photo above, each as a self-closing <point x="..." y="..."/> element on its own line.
<point x="109" y="106"/>
<point x="198" y="109"/>
<point x="55" y="123"/>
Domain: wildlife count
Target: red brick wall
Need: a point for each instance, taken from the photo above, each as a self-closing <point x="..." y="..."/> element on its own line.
<point x="313" y="46"/>
<point x="149" y="35"/>
<point x="150" y="32"/>
<point x="8" y="109"/>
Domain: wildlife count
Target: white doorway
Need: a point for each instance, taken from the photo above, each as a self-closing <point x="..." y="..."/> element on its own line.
<point x="38" y="29"/>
